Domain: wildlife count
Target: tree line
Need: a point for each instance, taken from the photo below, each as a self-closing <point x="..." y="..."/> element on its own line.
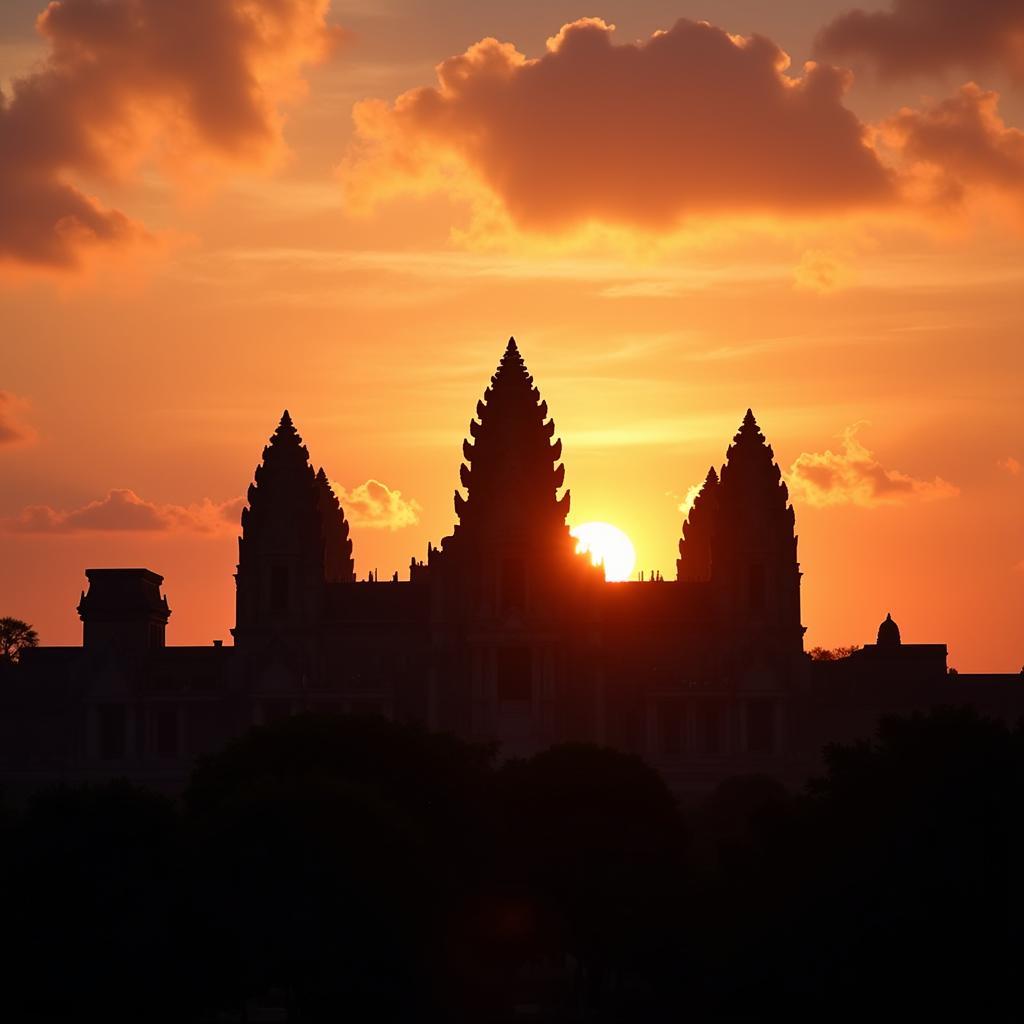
<point x="329" y="868"/>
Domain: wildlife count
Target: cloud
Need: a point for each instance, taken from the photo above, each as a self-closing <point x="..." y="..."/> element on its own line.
<point x="122" y="510"/>
<point x="930" y="36"/>
<point x="1011" y="465"/>
<point x="685" y="503"/>
<point x="854" y="476"/>
<point x="691" y="121"/>
<point x="193" y="85"/>
<point x="958" y="143"/>
<point x="13" y="427"/>
<point x="375" y="506"/>
<point x="820" y="271"/>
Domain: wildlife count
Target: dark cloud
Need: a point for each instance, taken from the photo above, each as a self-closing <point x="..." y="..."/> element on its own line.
<point x="190" y="83"/>
<point x="930" y="36"/>
<point x="690" y="121"/>
<point x="960" y="143"/>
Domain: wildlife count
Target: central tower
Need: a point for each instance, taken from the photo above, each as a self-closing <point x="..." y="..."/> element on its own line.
<point x="511" y="539"/>
<point x="511" y="603"/>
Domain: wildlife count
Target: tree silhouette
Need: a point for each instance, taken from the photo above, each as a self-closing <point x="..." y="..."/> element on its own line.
<point x="15" y="636"/>
<point x="894" y="877"/>
<point x="596" y="846"/>
<point x="92" y="908"/>
<point x="332" y="848"/>
<point x="831" y="653"/>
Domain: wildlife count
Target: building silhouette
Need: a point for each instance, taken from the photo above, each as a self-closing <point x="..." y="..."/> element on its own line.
<point x="501" y="634"/>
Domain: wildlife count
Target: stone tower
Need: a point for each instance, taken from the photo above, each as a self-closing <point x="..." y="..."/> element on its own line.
<point x="510" y="599"/>
<point x="281" y="565"/>
<point x="754" y="568"/>
<point x="123" y="611"/>
<point x="511" y="544"/>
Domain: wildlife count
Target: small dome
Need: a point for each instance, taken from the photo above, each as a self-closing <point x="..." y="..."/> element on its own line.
<point x="888" y="633"/>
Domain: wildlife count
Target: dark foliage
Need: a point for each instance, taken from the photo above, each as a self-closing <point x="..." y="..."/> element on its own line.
<point x="339" y="868"/>
<point x="93" y="907"/>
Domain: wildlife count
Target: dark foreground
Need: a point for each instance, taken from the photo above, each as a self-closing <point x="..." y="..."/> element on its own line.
<point x="345" y="869"/>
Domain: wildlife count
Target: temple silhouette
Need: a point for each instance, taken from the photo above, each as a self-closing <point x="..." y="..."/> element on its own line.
<point x="501" y="634"/>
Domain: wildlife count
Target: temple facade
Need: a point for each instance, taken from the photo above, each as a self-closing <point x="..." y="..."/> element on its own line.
<point x="502" y="634"/>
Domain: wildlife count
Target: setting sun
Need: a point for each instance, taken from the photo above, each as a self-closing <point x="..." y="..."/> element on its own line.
<point x="607" y="545"/>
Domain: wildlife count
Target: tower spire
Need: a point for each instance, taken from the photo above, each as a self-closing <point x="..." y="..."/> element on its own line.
<point x="753" y="546"/>
<point x="694" y="562"/>
<point x="752" y="488"/>
<point x="281" y="551"/>
<point x="512" y="471"/>
<point x="339" y="566"/>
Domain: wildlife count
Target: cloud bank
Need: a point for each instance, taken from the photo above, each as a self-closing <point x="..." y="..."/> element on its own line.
<point x="122" y="510"/>
<point x="854" y="476"/>
<point x="375" y="506"/>
<point x="193" y="85"/>
<point x="691" y="121"/>
<point x="930" y="36"/>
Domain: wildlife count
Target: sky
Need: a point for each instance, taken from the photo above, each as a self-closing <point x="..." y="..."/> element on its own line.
<point x="211" y="212"/>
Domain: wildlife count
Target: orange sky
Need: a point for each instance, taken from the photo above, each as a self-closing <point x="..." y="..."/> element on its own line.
<point x="216" y="214"/>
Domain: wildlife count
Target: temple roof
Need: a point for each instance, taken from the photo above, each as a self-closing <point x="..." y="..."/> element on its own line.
<point x="888" y="633"/>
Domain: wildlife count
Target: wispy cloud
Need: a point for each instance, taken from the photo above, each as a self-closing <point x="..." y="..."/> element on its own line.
<point x="821" y="271"/>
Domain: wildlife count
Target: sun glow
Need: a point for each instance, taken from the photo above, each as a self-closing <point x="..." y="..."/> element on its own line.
<point x="607" y="545"/>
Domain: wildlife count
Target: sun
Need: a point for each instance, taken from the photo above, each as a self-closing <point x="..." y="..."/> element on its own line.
<point x="607" y="545"/>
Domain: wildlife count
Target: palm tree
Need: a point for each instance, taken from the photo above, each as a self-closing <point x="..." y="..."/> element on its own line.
<point x="15" y="636"/>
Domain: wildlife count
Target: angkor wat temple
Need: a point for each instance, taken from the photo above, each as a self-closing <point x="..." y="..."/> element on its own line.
<point x="502" y="634"/>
